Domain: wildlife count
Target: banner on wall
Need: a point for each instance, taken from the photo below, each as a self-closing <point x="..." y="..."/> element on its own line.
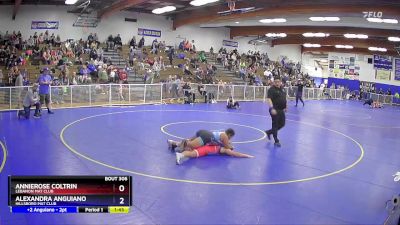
<point x="397" y="69"/>
<point x="48" y="25"/>
<point x="343" y="66"/>
<point x="229" y="43"/>
<point x="382" y="62"/>
<point x="148" y="32"/>
<point x="383" y="74"/>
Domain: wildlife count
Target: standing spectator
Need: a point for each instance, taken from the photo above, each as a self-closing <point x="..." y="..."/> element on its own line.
<point x="1" y="78"/>
<point x="171" y="56"/>
<point x="131" y="56"/>
<point x="44" y="90"/>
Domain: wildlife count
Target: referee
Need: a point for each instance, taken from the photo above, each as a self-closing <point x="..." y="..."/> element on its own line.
<point x="277" y="107"/>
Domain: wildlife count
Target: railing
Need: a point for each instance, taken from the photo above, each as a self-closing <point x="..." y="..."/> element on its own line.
<point x="132" y="94"/>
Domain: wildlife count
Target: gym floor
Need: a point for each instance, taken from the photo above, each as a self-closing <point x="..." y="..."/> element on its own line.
<point x="335" y="166"/>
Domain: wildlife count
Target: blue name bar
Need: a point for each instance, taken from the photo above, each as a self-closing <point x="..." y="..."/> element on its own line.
<point x="33" y="209"/>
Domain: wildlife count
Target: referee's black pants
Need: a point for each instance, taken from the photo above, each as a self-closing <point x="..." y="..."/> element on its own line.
<point x="278" y="122"/>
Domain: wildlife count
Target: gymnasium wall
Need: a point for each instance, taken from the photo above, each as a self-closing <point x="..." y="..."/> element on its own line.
<point x="204" y="37"/>
<point x="367" y="71"/>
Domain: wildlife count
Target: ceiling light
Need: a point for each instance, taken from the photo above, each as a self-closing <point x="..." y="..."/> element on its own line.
<point x="315" y="35"/>
<point x="380" y="20"/>
<point x="276" y="35"/>
<point x="323" y="60"/>
<point x="70" y="2"/>
<point x="344" y="46"/>
<point x="307" y="45"/>
<point x="377" y="49"/>
<point x="202" y="2"/>
<point x="237" y="22"/>
<point x="279" y="20"/>
<point x="359" y="36"/>
<point x="332" y="19"/>
<point x="164" y="9"/>
<point x="276" y="20"/>
<point x="395" y="39"/>
<point x="375" y="20"/>
<point x="322" y="19"/>
<point x="394" y="21"/>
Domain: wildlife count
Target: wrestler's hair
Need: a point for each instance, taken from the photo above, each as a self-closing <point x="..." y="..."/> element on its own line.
<point x="230" y="132"/>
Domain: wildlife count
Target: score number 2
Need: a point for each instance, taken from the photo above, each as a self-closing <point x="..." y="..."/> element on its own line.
<point x="121" y="188"/>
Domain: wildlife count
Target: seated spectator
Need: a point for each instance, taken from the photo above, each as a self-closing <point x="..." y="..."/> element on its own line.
<point x="132" y="43"/>
<point x="103" y="76"/>
<point x="110" y="42"/>
<point x="118" y="41"/>
<point x="84" y="74"/>
<point x="141" y="43"/>
<point x="232" y="104"/>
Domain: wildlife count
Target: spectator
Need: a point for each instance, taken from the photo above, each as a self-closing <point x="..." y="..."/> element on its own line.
<point x="132" y="43"/>
<point x="1" y="78"/>
<point x="141" y="43"/>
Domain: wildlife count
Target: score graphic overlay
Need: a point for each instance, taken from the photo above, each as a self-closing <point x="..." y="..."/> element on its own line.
<point x="69" y="194"/>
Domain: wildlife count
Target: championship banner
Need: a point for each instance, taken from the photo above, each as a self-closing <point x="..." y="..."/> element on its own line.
<point x="48" y="25"/>
<point x="150" y="33"/>
<point x="397" y="69"/>
<point x="229" y="43"/>
<point x="383" y="62"/>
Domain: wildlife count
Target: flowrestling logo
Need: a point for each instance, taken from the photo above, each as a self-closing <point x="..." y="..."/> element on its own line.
<point x="373" y="14"/>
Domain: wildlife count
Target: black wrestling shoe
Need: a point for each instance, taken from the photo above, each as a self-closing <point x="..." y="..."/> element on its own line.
<point x="277" y="144"/>
<point x="268" y="135"/>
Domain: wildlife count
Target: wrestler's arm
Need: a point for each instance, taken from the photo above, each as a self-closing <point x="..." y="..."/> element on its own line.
<point x="235" y="153"/>
<point x="225" y="141"/>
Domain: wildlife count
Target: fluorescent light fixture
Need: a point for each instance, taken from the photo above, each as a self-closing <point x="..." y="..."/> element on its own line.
<point x="308" y="45"/>
<point x="377" y="49"/>
<point x="317" y="19"/>
<point x="323" y="60"/>
<point x="380" y="20"/>
<point x="276" y="20"/>
<point x="315" y="35"/>
<point x="164" y="9"/>
<point x="344" y="46"/>
<point x="395" y="39"/>
<point x="323" y="19"/>
<point x="70" y="2"/>
<point x="202" y="2"/>
<point x="279" y="20"/>
<point x="393" y="21"/>
<point x="237" y="22"/>
<point x="375" y="20"/>
<point x="359" y="36"/>
<point x="332" y="19"/>
<point x="276" y="35"/>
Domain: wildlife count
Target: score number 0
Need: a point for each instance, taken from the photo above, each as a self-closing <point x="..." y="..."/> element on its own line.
<point x="121" y="188"/>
